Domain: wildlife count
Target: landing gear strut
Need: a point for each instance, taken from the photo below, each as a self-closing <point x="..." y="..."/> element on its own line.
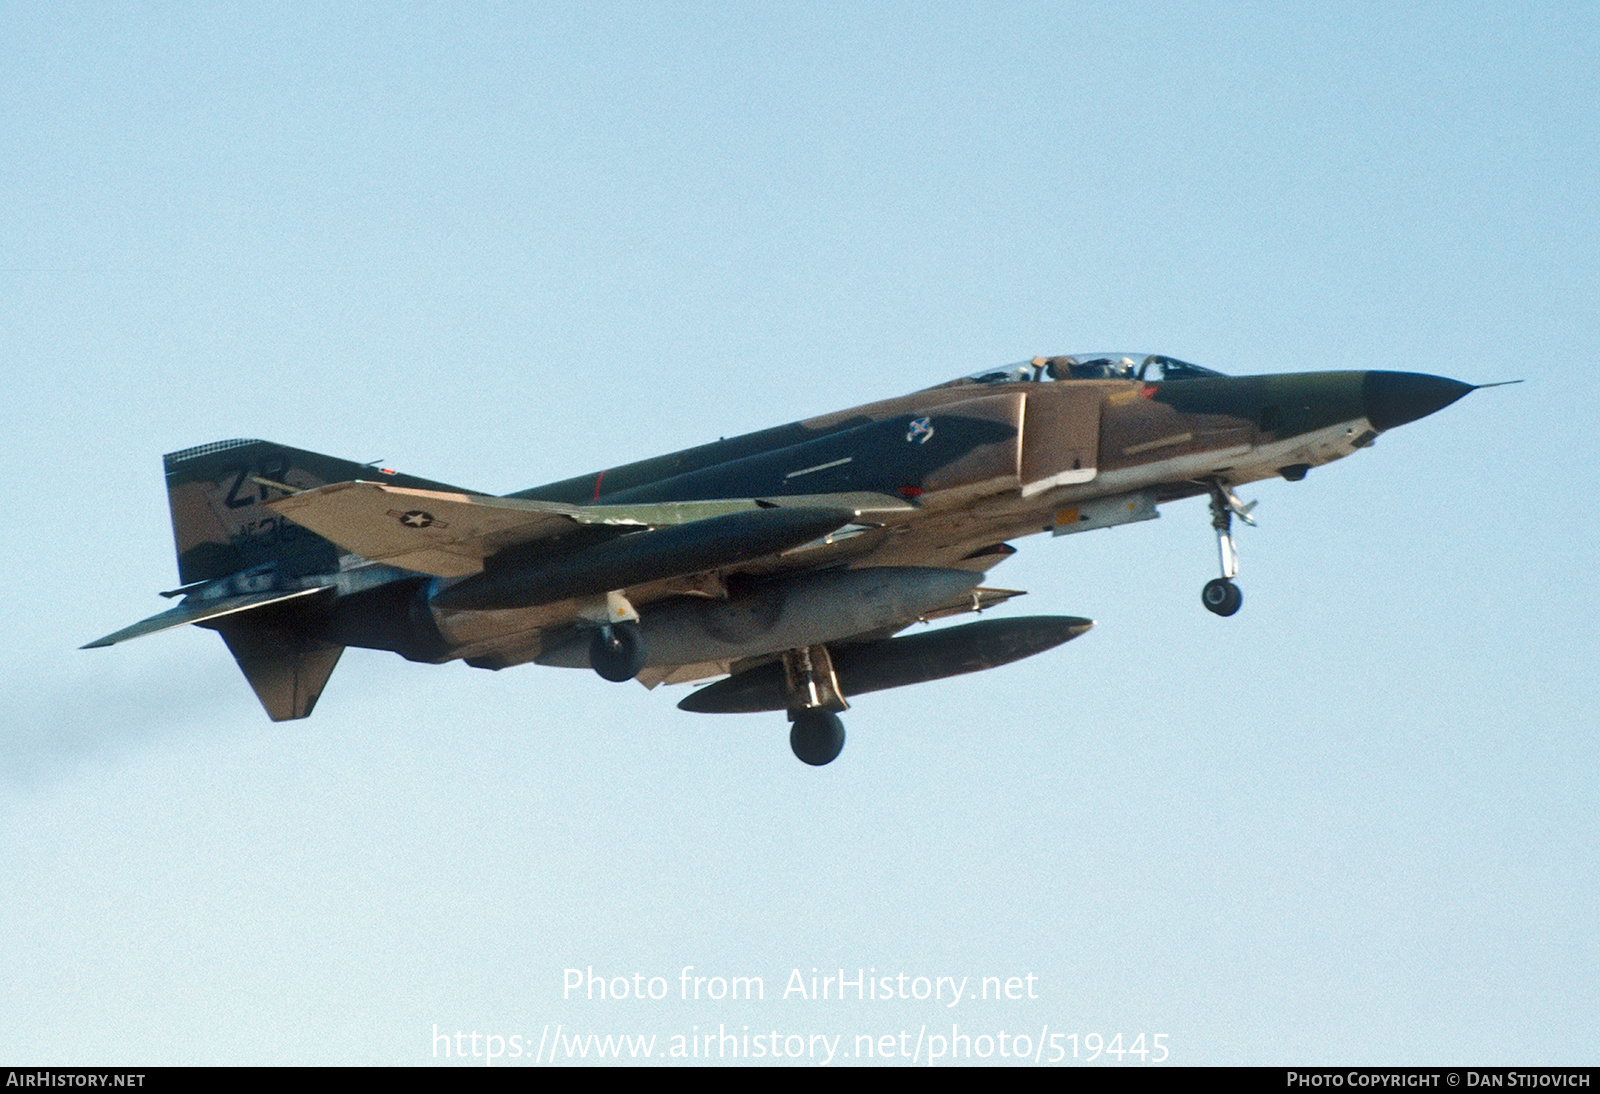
<point x="616" y="651"/>
<point x="1221" y="595"/>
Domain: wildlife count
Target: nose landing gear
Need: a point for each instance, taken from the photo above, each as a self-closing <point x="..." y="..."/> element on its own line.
<point x="1221" y="595"/>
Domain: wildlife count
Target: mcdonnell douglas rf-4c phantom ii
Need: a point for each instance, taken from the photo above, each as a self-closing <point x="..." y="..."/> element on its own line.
<point x="786" y="561"/>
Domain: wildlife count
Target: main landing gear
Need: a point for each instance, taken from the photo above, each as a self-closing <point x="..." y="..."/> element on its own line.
<point x="1221" y="595"/>
<point x="817" y="734"/>
<point x="817" y="737"/>
<point x="616" y="651"/>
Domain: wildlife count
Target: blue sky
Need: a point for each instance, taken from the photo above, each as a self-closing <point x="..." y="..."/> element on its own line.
<point x="502" y="244"/>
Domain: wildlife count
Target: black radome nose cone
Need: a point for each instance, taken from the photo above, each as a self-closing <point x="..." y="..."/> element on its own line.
<point x="1395" y="398"/>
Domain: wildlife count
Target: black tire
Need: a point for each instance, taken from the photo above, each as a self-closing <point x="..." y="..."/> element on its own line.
<point x="817" y="737"/>
<point x="616" y="652"/>
<point x="1221" y="596"/>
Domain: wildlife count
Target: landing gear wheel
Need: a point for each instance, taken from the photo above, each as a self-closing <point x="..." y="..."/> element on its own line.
<point x="1221" y="596"/>
<point x="817" y="737"/>
<point x="616" y="651"/>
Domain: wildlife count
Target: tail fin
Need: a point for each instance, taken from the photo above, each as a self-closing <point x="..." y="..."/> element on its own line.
<point x="220" y="522"/>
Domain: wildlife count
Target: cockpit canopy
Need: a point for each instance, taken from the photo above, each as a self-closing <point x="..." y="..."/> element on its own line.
<point x="1148" y="368"/>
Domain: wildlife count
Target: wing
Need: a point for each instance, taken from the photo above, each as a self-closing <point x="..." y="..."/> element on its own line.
<point x="450" y="534"/>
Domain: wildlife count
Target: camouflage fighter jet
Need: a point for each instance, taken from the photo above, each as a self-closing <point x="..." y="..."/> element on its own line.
<point x="785" y="561"/>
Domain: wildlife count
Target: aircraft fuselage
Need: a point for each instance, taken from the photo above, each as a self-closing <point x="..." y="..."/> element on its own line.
<point x="770" y="557"/>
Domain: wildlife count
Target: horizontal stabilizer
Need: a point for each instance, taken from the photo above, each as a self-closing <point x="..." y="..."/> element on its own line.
<point x="193" y="611"/>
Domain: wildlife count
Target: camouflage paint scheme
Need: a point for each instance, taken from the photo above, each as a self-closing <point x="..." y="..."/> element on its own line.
<point x="785" y="560"/>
